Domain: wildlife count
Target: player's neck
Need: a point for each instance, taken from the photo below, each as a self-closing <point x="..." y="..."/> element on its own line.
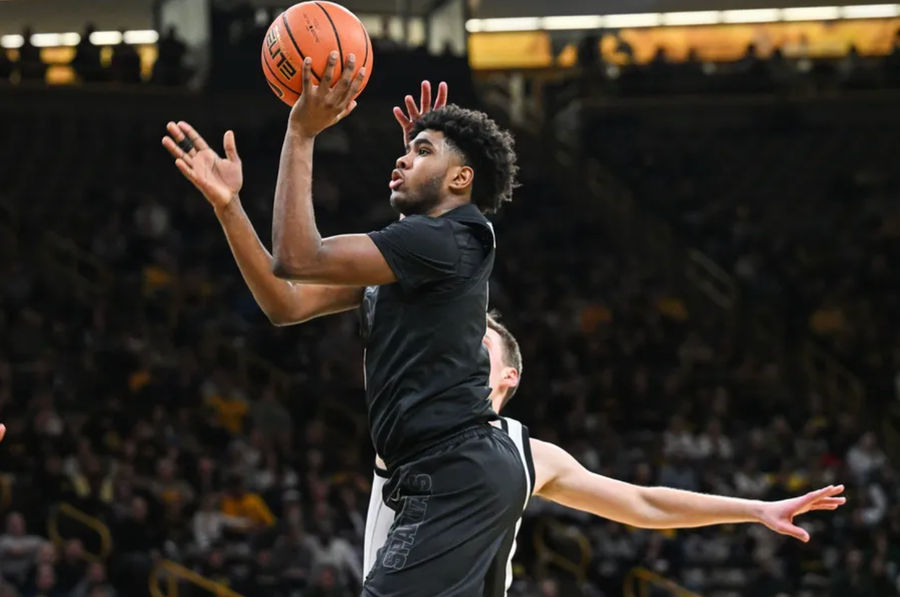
<point x="447" y="204"/>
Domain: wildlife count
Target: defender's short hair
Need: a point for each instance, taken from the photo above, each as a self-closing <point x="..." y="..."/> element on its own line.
<point x="512" y="354"/>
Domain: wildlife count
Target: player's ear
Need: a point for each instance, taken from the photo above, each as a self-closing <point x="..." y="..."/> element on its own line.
<point x="463" y="176"/>
<point x="511" y="376"/>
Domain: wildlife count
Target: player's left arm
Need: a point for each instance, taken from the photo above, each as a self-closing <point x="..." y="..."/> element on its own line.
<point x="560" y="478"/>
<point x="299" y="251"/>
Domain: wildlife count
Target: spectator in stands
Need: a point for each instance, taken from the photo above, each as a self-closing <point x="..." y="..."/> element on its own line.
<point x="31" y="65"/>
<point x="169" y="66"/>
<point x="126" y="63"/>
<point x="6" y="66"/>
<point x="18" y="550"/>
<point x="332" y="552"/>
<point x="86" y="63"/>
<point x="864" y="458"/>
<point x="71" y="568"/>
<point x="45" y="583"/>
<point x="95" y="578"/>
<point x="246" y="506"/>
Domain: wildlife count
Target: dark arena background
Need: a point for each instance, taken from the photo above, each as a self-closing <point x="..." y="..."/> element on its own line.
<point x="702" y="266"/>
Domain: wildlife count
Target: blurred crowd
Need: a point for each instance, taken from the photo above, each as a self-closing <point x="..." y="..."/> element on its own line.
<point x="123" y="65"/>
<point x="141" y="384"/>
<point x="755" y="71"/>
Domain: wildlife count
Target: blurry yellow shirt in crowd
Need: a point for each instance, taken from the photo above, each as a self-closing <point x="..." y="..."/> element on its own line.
<point x="827" y="320"/>
<point x="249" y="506"/>
<point x="230" y="412"/>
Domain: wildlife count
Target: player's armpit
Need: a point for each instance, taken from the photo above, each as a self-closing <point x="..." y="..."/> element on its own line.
<point x="308" y="301"/>
<point x="346" y="260"/>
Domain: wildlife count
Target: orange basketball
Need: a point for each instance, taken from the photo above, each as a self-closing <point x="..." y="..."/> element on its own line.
<point x="312" y="29"/>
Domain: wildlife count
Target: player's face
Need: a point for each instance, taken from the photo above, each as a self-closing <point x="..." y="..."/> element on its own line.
<point x="419" y="181"/>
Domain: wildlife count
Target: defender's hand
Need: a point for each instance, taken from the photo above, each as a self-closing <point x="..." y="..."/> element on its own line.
<point x="321" y="106"/>
<point x="219" y="180"/>
<point x="779" y="516"/>
<point x="413" y="112"/>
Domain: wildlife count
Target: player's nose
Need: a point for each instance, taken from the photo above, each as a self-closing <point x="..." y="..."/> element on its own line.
<point x="402" y="163"/>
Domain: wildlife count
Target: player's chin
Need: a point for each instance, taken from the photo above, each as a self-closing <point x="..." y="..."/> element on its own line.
<point x="402" y="203"/>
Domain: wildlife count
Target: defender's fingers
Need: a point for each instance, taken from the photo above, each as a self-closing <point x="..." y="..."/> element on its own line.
<point x="795" y="532"/>
<point x="411" y="108"/>
<point x="401" y="118"/>
<point x="441" y="100"/>
<point x="199" y="143"/>
<point x="425" y="97"/>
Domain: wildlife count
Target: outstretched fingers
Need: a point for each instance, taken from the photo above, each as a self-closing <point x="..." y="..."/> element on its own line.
<point x="230" y="146"/>
<point x="441" y="99"/>
<point x="425" y="97"/>
<point x="199" y="143"/>
<point x="401" y="118"/>
<point x="176" y="152"/>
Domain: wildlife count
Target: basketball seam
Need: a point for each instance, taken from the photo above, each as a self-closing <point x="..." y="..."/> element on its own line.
<point x="366" y="35"/>
<point x="337" y="37"/>
<point x="274" y="74"/>
<point x="287" y="27"/>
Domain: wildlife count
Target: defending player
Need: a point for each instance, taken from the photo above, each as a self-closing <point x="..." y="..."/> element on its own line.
<point x="422" y="285"/>
<point x="555" y="475"/>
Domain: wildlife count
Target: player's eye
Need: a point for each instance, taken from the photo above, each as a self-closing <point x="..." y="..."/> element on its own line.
<point x="423" y="151"/>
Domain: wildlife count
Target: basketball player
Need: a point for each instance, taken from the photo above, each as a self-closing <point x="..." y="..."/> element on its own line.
<point x="422" y="286"/>
<point x="555" y="475"/>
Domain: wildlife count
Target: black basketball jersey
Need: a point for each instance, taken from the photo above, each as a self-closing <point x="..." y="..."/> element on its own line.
<point x="426" y="368"/>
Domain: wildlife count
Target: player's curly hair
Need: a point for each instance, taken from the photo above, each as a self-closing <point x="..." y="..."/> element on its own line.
<point x="488" y="149"/>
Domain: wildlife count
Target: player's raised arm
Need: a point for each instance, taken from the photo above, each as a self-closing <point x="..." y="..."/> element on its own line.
<point x="300" y="253"/>
<point x="560" y="478"/>
<point x="220" y="181"/>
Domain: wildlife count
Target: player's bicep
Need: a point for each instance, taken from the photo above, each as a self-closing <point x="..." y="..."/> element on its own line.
<point x="346" y="260"/>
<point x="309" y="301"/>
<point x="564" y="480"/>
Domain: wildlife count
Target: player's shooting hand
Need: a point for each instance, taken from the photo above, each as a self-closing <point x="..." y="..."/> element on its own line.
<point x="413" y="112"/>
<point x="323" y="105"/>
<point x="218" y="179"/>
<point x="779" y="516"/>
